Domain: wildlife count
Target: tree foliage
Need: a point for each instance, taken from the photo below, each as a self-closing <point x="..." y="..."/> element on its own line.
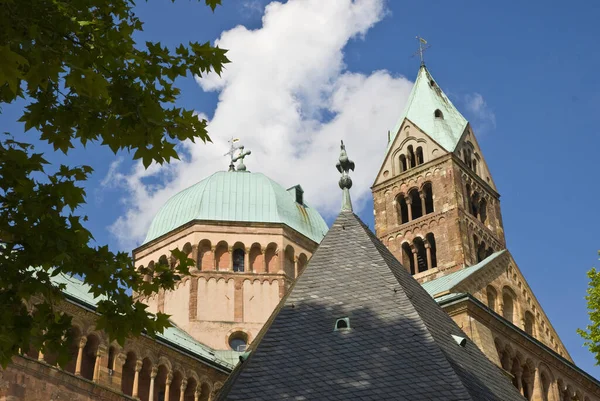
<point x="82" y="78"/>
<point x="592" y="332"/>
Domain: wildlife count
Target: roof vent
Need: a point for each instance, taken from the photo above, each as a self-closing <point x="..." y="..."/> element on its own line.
<point x="298" y="193"/>
<point x="460" y="340"/>
<point x="342" y="324"/>
<point x="438" y="113"/>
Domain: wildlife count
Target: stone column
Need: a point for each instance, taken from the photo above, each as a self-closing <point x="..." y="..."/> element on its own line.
<point x="213" y="250"/>
<point x="41" y="356"/>
<point x="428" y="250"/>
<point x="153" y="374"/>
<point x="182" y="390"/>
<point x="136" y="378"/>
<point x="295" y="267"/>
<point x="168" y="381"/>
<point x="422" y="196"/>
<point x="415" y="258"/>
<point x="230" y="250"/>
<point x="81" y="344"/>
<point x="194" y="256"/>
<point x="519" y="379"/>
<point x="408" y="204"/>
<point x="538" y="391"/>
<point x="264" y="260"/>
<point x="197" y="393"/>
<point x="556" y="391"/>
<point x="118" y="370"/>
<point x="247" y="260"/>
<point x="100" y="353"/>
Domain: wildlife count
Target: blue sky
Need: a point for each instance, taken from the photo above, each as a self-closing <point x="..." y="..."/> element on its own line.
<point x="532" y="66"/>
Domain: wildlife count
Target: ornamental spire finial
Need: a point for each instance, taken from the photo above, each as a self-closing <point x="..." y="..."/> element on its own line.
<point x="344" y="165"/>
<point x="233" y="146"/>
<point x="422" y="47"/>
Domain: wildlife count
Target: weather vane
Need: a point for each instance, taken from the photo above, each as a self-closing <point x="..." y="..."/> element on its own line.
<point x="344" y="165"/>
<point x="232" y="148"/>
<point x="422" y="47"/>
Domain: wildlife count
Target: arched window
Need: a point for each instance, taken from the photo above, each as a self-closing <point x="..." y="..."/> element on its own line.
<point x="492" y="296"/>
<point x="468" y="197"/>
<point x="421" y="255"/>
<point x="238" y="259"/>
<point x="88" y="361"/>
<point x="438" y="113"/>
<point x="288" y="265"/>
<point x="128" y="373"/>
<point x="403" y="165"/>
<point x="527" y="379"/>
<point x="402" y="209"/>
<point x="545" y="387"/>
<point x="529" y="323"/>
<point x="483" y="210"/>
<point x="509" y="305"/>
<point x="432" y="250"/>
<point x="489" y="252"/>
<point x="420" y="159"/>
<point x="412" y="160"/>
<point x="475" y="204"/>
<point x="206" y="259"/>
<point x="415" y="204"/>
<point x="474" y="165"/>
<point x="272" y="258"/>
<point x="222" y="256"/>
<point x="428" y="192"/>
<point x="481" y="252"/>
<point x="407" y="258"/>
<point x="257" y="261"/>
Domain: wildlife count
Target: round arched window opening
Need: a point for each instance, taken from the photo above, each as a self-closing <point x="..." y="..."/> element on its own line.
<point x="238" y="341"/>
<point x="438" y="113"/>
<point x="239" y="256"/>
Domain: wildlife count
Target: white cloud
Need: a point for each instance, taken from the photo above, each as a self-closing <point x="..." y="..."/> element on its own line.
<point x="283" y="79"/>
<point x="483" y="117"/>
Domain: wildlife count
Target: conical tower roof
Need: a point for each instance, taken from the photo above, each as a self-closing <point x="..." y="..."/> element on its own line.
<point x="426" y="97"/>
<point x="400" y="345"/>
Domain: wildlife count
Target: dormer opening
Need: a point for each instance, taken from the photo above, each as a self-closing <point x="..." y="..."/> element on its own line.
<point x="342" y="324"/>
<point x="298" y="193"/>
<point x="438" y="114"/>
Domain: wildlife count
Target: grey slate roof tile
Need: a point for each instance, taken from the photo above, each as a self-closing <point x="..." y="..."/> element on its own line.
<point x="399" y="346"/>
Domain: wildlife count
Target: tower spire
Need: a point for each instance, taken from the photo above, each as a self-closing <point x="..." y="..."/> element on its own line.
<point x="344" y="165"/>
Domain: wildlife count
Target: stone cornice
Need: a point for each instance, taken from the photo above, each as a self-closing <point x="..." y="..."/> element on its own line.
<point x="471" y="174"/>
<point x="469" y="218"/>
<point x="415" y="223"/>
<point x="178" y="233"/>
<point x="410" y="173"/>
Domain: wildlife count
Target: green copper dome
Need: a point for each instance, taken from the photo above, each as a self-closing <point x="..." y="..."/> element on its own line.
<point x="240" y="197"/>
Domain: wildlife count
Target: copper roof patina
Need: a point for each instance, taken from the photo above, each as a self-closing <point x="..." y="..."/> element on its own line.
<point x="237" y="196"/>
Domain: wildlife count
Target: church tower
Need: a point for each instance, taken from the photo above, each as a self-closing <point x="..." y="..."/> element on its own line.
<point x="436" y="206"/>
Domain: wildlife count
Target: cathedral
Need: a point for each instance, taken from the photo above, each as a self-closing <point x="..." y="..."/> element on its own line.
<point x="429" y="306"/>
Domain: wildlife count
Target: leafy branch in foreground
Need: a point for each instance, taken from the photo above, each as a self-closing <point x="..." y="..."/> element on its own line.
<point x="82" y="78"/>
<point x="592" y="332"/>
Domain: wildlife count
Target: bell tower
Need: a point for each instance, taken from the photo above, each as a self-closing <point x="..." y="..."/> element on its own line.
<point x="436" y="205"/>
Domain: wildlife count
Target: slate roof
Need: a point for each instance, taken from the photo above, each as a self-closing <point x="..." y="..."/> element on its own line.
<point x="399" y="346"/>
<point x="425" y="98"/>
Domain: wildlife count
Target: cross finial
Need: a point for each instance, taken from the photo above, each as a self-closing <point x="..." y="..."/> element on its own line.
<point x="241" y="166"/>
<point x="344" y="165"/>
<point x="232" y="148"/>
<point x="422" y="47"/>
